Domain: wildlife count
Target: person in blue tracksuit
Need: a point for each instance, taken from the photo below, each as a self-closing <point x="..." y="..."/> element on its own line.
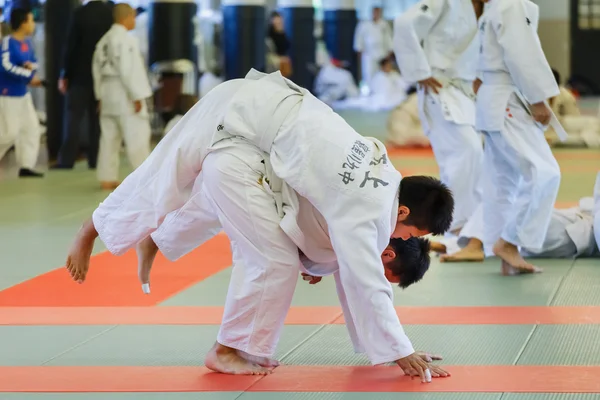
<point x="19" y="124"/>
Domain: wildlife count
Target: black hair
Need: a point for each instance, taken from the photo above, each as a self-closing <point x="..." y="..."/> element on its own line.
<point x="140" y="10"/>
<point x="430" y="202"/>
<point x="384" y="61"/>
<point x="412" y="89"/>
<point x="556" y="76"/>
<point x="412" y="260"/>
<point x="275" y="14"/>
<point x="18" y="16"/>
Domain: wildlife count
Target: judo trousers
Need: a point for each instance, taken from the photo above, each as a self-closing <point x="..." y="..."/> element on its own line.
<point x="266" y="261"/>
<point x="524" y="177"/>
<point x="459" y="153"/>
<point x="134" y="130"/>
<point x="19" y="127"/>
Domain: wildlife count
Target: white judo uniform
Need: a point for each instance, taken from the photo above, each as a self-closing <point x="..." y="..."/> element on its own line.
<point x="374" y="41"/>
<point x="523" y="174"/>
<point x="334" y="83"/>
<point x="447" y="30"/>
<point x="346" y="177"/>
<point x="120" y="79"/>
<point x="404" y="126"/>
<point x="570" y="232"/>
<point x="197" y="221"/>
<point x="388" y="89"/>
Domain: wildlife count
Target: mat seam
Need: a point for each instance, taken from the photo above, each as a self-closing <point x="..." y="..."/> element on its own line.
<point x="310" y="336"/>
<point x="79" y="344"/>
<point x="535" y="327"/>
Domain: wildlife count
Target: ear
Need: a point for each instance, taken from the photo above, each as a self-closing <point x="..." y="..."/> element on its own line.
<point x="403" y="213"/>
<point x="389" y="254"/>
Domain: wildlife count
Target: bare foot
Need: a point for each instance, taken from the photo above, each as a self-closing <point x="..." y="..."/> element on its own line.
<point x="438" y="247"/>
<point x="109" y="185"/>
<point x="262" y="361"/>
<point x="226" y="360"/>
<point x="512" y="261"/>
<point x="473" y="251"/>
<point x="78" y="260"/>
<point x="146" y="252"/>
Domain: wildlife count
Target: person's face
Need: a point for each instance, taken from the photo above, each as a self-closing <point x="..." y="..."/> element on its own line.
<point x="387" y="257"/>
<point x="403" y="231"/>
<point x="376" y="14"/>
<point x="387" y="67"/>
<point x="277" y="22"/>
<point x="28" y="26"/>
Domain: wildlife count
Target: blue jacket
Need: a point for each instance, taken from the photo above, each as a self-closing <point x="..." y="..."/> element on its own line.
<point x="14" y="77"/>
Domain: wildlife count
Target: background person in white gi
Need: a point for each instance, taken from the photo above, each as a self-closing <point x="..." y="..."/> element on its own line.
<point x="511" y="111"/>
<point x="19" y="124"/>
<point x="372" y="42"/>
<point x="121" y="86"/>
<point x="445" y="67"/>
<point x="318" y="155"/>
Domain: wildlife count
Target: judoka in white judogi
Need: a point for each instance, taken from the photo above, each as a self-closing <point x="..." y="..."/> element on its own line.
<point x="523" y="174"/>
<point x="437" y="39"/>
<point x="373" y="41"/>
<point x="289" y="126"/>
<point x="121" y="86"/>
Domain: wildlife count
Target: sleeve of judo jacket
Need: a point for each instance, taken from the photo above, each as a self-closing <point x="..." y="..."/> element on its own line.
<point x="369" y="295"/>
<point x="515" y="25"/>
<point x="358" y="348"/>
<point x="17" y="72"/>
<point x="410" y="29"/>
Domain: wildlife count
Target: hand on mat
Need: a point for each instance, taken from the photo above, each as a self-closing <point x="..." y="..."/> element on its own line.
<point x="540" y="113"/>
<point x="435" y="370"/>
<point x="430" y="84"/>
<point x="414" y="365"/>
<point x="311" y="279"/>
<point x="428" y="357"/>
<point x="476" y="85"/>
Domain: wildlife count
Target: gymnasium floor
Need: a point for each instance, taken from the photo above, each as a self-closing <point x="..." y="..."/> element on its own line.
<point x="530" y="337"/>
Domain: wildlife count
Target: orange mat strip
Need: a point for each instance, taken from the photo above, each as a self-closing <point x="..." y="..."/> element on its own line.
<point x="112" y="281"/>
<point x="514" y="379"/>
<point x="296" y="316"/>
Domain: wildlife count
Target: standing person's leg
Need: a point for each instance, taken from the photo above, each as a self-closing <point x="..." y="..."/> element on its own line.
<point x="136" y="133"/>
<point x="459" y="153"/>
<point x="109" y="154"/>
<point x="27" y="146"/>
<point x="76" y="108"/>
<point x="534" y="177"/>
<point x="93" y="128"/>
<point x="9" y="125"/>
<point x="256" y="304"/>
<point x="597" y="210"/>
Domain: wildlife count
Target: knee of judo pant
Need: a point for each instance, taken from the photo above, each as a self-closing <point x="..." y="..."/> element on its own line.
<point x="548" y="174"/>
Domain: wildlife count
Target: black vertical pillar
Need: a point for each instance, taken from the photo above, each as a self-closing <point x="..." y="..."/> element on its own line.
<point x="172" y="31"/>
<point x="57" y="14"/>
<point x="299" y="22"/>
<point x="339" y="23"/>
<point x="244" y="36"/>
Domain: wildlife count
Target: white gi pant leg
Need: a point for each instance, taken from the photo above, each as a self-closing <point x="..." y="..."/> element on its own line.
<point x="459" y="153"/>
<point x="187" y="228"/>
<point x="596" y="211"/>
<point x="524" y="177"/>
<point x="19" y="126"/>
<point x="110" y="148"/>
<point x="256" y="304"/>
<point x="134" y="130"/>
